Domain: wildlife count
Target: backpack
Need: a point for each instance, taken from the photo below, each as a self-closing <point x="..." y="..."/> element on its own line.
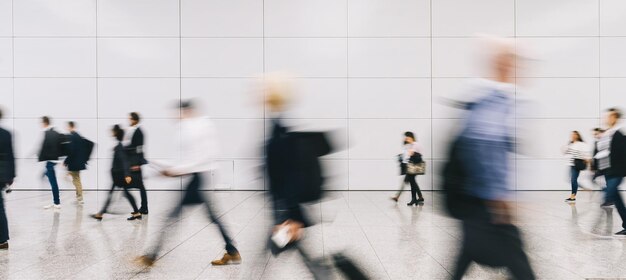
<point x="453" y="179"/>
<point x="88" y="149"/>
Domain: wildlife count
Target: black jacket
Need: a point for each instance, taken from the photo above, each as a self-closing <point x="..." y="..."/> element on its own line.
<point x="7" y="159"/>
<point x="120" y="164"/>
<point x="75" y="160"/>
<point x="50" y="147"/>
<point x="134" y="150"/>
<point x="618" y="156"/>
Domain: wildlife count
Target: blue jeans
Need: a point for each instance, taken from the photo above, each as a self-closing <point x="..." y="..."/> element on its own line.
<point x="52" y="178"/>
<point x="613" y="195"/>
<point x="574" y="173"/>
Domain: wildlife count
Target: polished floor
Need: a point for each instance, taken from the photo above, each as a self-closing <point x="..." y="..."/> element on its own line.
<point x="388" y="241"/>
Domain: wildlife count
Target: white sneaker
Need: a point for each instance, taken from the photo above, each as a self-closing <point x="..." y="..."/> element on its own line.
<point x="80" y="202"/>
<point x="57" y="206"/>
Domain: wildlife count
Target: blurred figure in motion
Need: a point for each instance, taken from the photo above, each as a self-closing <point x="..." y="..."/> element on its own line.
<point x="578" y="153"/>
<point x="477" y="173"/>
<point x="612" y="162"/>
<point x="199" y="149"/>
<point x="120" y="173"/>
<point x="411" y="154"/>
<point x="597" y="135"/>
<point x="75" y="160"/>
<point x="50" y="152"/>
<point x="295" y="177"/>
<point x="134" y="143"/>
<point x="7" y="174"/>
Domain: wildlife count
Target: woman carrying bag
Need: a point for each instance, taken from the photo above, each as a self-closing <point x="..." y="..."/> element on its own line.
<point x="411" y="165"/>
<point x="578" y="153"/>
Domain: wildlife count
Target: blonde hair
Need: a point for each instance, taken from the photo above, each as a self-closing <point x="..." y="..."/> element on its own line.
<point x="277" y="87"/>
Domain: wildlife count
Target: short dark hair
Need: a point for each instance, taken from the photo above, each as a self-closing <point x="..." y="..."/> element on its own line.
<point x="46" y="120"/>
<point x="409" y="134"/>
<point x="118" y="132"/>
<point x="616" y="112"/>
<point x="187" y="104"/>
<point x="597" y="129"/>
<point x="71" y="124"/>
<point x="135" y="116"/>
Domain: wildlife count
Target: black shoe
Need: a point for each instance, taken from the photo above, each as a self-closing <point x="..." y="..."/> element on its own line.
<point x="413" y="202"/>
<point x="4" y="246"/>
<point x="621" y="233"/>
<point x="420" y="200"/>
<point x="143" y="211"/>
<point x="135" y="216"/>
<point x="570" y="199"/>
<point x="607" y="204"/>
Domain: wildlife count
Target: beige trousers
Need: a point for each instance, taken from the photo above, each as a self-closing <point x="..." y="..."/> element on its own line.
<point x="77" y="184"/>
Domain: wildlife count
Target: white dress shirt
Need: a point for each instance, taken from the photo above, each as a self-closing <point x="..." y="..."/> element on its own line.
<point x="199" y="146"/>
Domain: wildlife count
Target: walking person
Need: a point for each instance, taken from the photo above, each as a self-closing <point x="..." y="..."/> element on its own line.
<point x="75" y="160"/>
<point x="411" y="153"/>
<point x="120" y="173"/>
<point x="49" y="153"/>
<point x="597" y="135"/>
<point x="199" y="148"/>
<point x="578" y="153"/>
<point x="477" y="175"/>
<point x="7" y="174"/>
<point x="612" y="162"/>
<point x="134" y="145"/>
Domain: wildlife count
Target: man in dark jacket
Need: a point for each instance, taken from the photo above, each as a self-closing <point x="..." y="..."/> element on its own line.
<point x="50" y="151"/>
<point x="7" y="174"/>
<point x="75" y="161"/>
<point x="133" y="142"/>
<point x="613" y="166"/>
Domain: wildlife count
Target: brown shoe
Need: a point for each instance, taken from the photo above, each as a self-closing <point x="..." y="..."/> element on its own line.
<point x="394" y="198"/>
<point x="97" y="217"/>
<point x="4" y="246"/>
<point x="145" y="260"/>
<point x="234" y="258"/>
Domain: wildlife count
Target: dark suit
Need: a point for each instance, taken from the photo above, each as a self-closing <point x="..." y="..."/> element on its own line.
<point x="7" y="174"/>
<point x="615" y="174"/>
<point x="49" y="152"/>
<point x="120" y="169"/>
<point x="135" y="154"/>
<point x="75" y="160"/>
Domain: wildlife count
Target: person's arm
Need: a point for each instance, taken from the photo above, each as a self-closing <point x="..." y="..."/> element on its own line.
<point x="11" y="159"/>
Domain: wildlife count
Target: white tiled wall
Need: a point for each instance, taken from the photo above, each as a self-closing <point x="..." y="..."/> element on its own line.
<point x="367" y="69"/>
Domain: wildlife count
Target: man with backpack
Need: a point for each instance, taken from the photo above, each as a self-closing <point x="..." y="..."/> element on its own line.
<point x="50" y="152"/>
<point x="476" y="177"/>
<point x="76" y="160"/>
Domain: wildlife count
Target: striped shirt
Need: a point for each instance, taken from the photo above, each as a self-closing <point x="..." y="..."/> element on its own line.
<point x="577" y="150"/>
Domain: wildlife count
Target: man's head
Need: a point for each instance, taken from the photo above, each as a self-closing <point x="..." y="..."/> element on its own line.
<point x="134" y="118"/>
<point x="612" y="116"/>
<point x="597" y="132"/>
<point x="187" y="109"/>
<point x="71" y="126"/>
<point x="45" y="121"/>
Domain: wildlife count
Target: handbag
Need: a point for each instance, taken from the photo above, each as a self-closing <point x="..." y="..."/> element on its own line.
<point x="580" y="164"/>
<point x="416" y="168"/>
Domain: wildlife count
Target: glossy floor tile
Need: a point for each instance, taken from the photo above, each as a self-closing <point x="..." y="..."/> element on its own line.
<point x="387" y="240"/>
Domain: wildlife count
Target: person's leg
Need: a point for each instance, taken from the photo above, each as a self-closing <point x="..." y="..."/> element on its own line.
<point x="402" y="185"/>
<point x="614" y="182"/>
<point x="414" y="189"/>
<point x="462" y="264"/>
<point x="52" y="178"/>
<point x="142" y="191"/>
<point x="230" y="247"/>
<point x="574" y="173"/>
<point x="152" y="254"/>
<point x="131" y="199"/>
<point x="611" y="188"/>
<point x="108" y="201"/>
<point x="4" y="225"/>
<point x="417" y="187"/>
<point x="518" y="263"/>
<point x="77" y="184"/>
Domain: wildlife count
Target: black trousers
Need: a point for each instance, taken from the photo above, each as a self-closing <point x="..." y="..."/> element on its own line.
<point x="491" y="244"/>
<point x="138" y="183"/>
<point x="118" y="181"/>
<point x="193" y="196"/>
<point x="415" y="188"/>
<point x="4" y="224"/>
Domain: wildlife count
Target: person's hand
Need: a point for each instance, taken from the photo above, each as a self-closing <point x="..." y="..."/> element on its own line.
<point x="500" y="212"/>
<point x="135" y="168"/>
<point x="294" y="229"/>
<point x="167" y="173"/>
<point x="128" y="179"/>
